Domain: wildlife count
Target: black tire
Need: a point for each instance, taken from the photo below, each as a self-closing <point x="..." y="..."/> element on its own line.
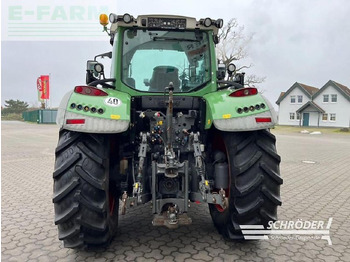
<point x="86" y="203"/>
<point x="254" y="192"/>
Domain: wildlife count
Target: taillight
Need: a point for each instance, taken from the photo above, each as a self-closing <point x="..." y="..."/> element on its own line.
<point x="263" y="119"/>
<point x="249" y="91"/>
<point x="89" y="91"/>
<point x="75" y="121"/>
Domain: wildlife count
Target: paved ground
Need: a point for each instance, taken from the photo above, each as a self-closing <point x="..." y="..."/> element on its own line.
<point x="310" y="192"/>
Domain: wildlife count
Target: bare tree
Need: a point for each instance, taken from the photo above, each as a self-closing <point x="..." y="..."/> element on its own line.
<point x="233" y="48"/>
<point x="251" y="80"/>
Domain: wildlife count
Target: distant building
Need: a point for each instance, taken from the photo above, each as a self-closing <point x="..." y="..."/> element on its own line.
<point x="303" y="105"/>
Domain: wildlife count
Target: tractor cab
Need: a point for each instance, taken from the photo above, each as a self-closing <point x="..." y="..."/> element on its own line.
<point x="154" y="50"/>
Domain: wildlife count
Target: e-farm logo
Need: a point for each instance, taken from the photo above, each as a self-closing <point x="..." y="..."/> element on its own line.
<point x="46" y="20"/>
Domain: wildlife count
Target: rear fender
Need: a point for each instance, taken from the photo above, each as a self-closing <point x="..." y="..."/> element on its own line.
<point x="222" y="112"/>
<point x="114" y="119"/>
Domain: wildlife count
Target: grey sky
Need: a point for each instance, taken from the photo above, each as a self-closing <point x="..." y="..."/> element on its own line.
<point x="296" y="40"/>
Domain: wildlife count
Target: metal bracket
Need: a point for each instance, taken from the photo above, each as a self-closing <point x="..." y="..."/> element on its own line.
<point x="142" y="154"/>
<point x="182" y="203"/>
<point x="137" y="191"/>
<point x="211" y="198"/>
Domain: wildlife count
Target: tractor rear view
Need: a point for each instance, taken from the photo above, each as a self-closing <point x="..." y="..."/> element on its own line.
<point x="165" y="128"/>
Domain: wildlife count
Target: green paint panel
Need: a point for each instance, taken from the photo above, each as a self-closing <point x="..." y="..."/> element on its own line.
<point x="221" y="106"/>
<point x="120" y="109"/>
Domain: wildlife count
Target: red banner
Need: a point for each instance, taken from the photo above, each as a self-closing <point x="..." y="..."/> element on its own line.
<point x="43" y="85"/>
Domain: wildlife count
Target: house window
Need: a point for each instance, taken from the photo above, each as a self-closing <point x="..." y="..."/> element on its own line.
<point x="332" y="117"/>
<point x="292" y="99"/>
<point x="334" y="98"/>
<point x="325" y="98"/>
<point x="291" y="116"/>
<point x="300" y="99"/>
<point x="324" y="117"/>
<point x="298" y="116"/>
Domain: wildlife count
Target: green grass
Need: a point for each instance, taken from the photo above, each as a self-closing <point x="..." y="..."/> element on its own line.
<point x="12" y="116"/>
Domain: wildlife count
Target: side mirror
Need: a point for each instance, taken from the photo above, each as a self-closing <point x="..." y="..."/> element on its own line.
<point x="239" y="78"/>
<point x="94" y="70"/>
<point x="90" y="67"/>
<point x="146" y="82"/>
<point x="90" y="76"/>
<point x="221" y="73"/>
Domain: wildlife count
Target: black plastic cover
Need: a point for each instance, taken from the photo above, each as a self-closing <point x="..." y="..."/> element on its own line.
<point x="167" y="23"/>
<point x="159" y="102"/>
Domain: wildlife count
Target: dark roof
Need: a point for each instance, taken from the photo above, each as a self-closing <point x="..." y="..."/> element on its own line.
<point x="311" y="104"/>
<point x="341" y="88"/>
<point x="308" y="90"/>
<point x="282" y="94"/>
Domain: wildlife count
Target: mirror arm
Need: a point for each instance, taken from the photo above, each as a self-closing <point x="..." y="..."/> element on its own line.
<point x="108" y="54"/>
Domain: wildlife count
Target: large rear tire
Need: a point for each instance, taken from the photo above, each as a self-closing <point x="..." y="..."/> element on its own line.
<point x="86" y="203"/>
<point x="254" y="192"/>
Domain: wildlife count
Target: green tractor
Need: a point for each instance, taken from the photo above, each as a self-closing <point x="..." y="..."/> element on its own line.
<point x="170" y="126"/>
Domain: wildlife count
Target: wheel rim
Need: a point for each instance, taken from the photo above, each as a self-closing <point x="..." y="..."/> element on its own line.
<point x="111" y="203"/>
<point x="220" y="208"/>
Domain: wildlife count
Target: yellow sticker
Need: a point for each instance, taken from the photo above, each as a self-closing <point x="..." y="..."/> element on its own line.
<point x="206" y="182"/>
<point x="226" y="116"/>
<point x="209" y="121"/>
<point x="160" y="123"/>
<point x="115" y="116"/>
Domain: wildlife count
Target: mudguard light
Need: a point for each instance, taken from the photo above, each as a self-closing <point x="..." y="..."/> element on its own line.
<point x="75" y="121"/>
<point x="249" y="91"/>
<point x="263" y="119"/>
<point x="89" y="91"/>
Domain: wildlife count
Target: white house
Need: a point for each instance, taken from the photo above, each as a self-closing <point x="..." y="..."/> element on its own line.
<point x="303" y="105"/>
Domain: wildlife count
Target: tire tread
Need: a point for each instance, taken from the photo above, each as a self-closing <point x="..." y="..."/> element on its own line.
<point x="81" y="191"/>
<point x="255" y="182"/>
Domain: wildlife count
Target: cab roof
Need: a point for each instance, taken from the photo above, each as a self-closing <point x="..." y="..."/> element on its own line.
<point x="159" y="21"/>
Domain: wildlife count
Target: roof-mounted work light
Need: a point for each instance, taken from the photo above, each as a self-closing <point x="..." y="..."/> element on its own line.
<point x="113" y="18"/>
<point x="207" y="22"/>
<point x="127" y="18"/>
<point x="219" y="23"/>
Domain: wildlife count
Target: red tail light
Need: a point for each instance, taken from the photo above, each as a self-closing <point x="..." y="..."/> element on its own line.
<point x="263" y="119"/>
<point x="249" y="91"/>
<point x="75" y="121"/>
<point x="89" y="91"/>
